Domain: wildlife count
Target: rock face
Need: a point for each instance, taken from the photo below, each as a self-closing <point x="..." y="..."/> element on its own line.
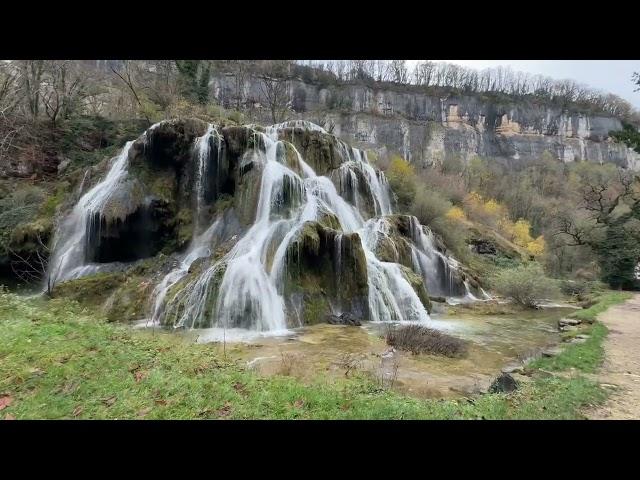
<point x="483" y="247"/>
<point x="327" y="271"/>
<point x="426" y="129"/>
<point x="151" y="209"/>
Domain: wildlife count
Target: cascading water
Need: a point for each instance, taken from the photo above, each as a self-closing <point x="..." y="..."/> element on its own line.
<point x="244" y="289"/>
<point x="439" y="271"/>
<point x="72" y="240"/>
<point x="201" y="245"/>
<point x="69" y="259"/>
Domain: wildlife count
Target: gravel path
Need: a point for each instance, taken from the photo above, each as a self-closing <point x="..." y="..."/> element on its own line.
<point x="621" y="369"/>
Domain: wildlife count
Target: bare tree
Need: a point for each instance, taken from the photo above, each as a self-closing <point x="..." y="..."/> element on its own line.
<point x="240" y="70"/>
<point x="31" y="75"/>
<point x="127" y="75"/>
<point x="32" y="268"/>
<point x="276" y="93"/>
<point x="62" y="91"/>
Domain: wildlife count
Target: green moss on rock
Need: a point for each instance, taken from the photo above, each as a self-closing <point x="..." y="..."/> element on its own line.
<point x="319" y="150"/>
<point x="418" y="286"/>
<point x="329" y="269"/>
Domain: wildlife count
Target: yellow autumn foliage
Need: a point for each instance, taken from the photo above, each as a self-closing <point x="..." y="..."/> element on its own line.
<point x="455" y="213"/>
<point x="521" y="235"/>
<point x="494" y="214"/>
<point x="402" y="178"/>
<point x="536" y="247"/>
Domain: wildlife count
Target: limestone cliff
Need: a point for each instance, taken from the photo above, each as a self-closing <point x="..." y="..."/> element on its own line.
<point x="427" y="129"/>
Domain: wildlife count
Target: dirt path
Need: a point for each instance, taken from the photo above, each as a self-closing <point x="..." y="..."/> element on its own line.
<point x="621" y="369"/>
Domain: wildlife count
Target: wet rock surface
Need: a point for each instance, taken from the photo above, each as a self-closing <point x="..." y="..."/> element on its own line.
<point x="343" y="319"/>
<point x="505" y="383"/>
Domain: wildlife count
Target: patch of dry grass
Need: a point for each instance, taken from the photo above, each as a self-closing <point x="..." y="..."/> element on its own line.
<point x="419" y="339"/>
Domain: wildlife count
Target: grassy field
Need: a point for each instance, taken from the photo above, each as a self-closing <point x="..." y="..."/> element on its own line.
<point x="58" y="360"/>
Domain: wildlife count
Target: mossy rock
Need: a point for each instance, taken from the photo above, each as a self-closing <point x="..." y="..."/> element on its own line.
<point x="92" y="290"/>
<point x="170" y="142"/>
<point x="315" y="308"/>
<point x="176" y="298"/>
<point x="130" y="301"/>
<point x="319" y="150"/>
<point x="360" y="193"/>
<point x="329" y="220"/>
<point x="32" y="237"/>
<point x="247" y="195"/>
<point x="418" y="286"/>
<point x="396" y="246"/>
<point x="314" y="271"/>
<point x="238" y="140"/>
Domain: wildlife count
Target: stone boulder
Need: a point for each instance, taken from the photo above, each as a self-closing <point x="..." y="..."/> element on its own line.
<point x="505" y="383"/>
<point x="343" y="319"/>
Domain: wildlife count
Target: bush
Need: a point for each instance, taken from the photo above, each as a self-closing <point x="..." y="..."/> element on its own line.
<point x="578" y="288"/>
<point x="418" y="339"/>
<point x="454" y="236"/>
<point x="526" y="285"/>
<point x="429" y="205"/>
<point x="402" y="179"/>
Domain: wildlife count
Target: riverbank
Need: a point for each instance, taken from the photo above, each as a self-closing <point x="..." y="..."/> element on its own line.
<point x="58" y="360"/>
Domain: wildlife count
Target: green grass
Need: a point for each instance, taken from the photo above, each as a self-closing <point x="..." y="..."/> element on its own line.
<point x="58" y="360"/>
<point x="604" y="302"/>
<point x="585" y="357"/>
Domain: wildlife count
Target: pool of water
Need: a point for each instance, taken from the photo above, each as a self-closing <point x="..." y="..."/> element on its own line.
<point x="332" y="351"/>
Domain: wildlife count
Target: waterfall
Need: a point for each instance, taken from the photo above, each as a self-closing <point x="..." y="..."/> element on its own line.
<point x="70" y="246"/>
<point x="79" y="230"/>
<point x="200" y="247"/>
<point x="203" y="153"/>
<point x="244" y="289"/>
<point x="201" y="244"/>
<point x="438" y="271"/>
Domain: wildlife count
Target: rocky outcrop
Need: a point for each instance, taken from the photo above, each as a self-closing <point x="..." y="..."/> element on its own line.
<point x="426" y="129"/>
<point x="326" y="272"/>
<point x="150" y="210"/>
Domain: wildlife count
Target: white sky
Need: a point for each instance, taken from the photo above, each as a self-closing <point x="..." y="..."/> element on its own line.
<point x="613" y="76"/>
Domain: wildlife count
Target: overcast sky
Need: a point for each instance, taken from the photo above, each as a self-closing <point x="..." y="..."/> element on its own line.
<point x="612" y="76"/>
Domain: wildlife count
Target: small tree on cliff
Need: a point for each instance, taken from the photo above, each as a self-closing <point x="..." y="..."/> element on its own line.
<point x="402" y="178"/>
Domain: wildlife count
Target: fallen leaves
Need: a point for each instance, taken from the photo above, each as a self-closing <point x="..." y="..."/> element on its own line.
<point x="298" y="403"/>
<point x="110" y="400"/>
<point x="77" y="411"/>
<point x="140" y="375"/>
<point x="8" y="416"/>
<point x="225" y="411"/>
<point x="143" y="413"/>
<point x="204" y="412"/>
<point x="5" y="401"/>
<point x="69" y="387"/>
<point x="240" y="388"/>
